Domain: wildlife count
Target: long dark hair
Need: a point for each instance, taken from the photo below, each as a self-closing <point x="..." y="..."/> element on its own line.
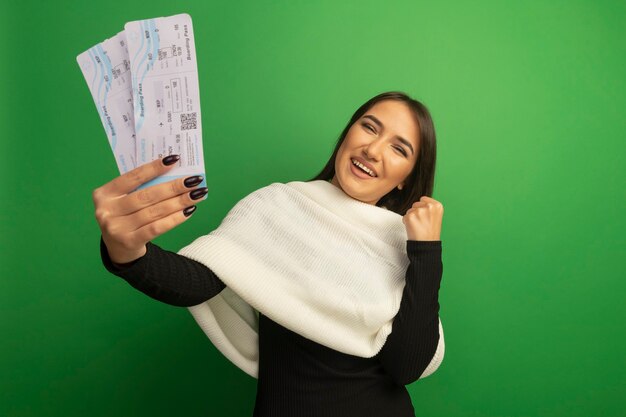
<point x="420" y="181"/>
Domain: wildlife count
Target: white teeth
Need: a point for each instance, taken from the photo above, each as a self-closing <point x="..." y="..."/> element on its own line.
<point x="366" y="169"/>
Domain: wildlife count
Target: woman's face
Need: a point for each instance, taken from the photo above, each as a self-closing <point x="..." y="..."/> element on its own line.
<point x="385" y="138"/>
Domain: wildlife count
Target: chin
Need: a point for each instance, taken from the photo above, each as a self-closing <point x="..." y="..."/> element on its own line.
<point x="355" y="190"/>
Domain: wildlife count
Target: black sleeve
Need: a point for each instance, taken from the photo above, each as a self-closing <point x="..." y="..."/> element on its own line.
<point x="167" y="276"/>
<point x="413" y="340"/>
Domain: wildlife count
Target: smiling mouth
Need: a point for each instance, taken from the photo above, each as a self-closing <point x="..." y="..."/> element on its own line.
<point x="358" y="172"/>
<point x="362" y="167"/>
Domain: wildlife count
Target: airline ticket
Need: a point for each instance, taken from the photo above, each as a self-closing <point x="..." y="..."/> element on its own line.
<point x="166" y="95"/>
<point x="106" y="68"/>
<point x="144" y="82"/>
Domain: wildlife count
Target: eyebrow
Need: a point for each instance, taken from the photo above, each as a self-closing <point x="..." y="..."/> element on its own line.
<point x="381" y="126"/>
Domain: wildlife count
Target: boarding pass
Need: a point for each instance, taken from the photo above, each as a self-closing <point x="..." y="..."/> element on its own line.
<point x="161" y="94"/>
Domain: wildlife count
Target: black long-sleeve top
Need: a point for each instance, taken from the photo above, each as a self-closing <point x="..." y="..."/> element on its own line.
<point x="299" y="377"/>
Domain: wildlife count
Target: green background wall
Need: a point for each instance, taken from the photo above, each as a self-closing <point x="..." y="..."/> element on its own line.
<point x="528" y="100"/>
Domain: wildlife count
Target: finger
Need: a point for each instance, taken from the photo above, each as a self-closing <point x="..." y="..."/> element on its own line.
<point x="416" y="208"/>
<point x="427" y="199"/>
<point x="410" y="211"/>
<point x="153" y="195"/>
<point x="157" y="228"/>
<point x="156" y="212"/>
<point x="128" y="182"/>
<point x="431" y="203"/>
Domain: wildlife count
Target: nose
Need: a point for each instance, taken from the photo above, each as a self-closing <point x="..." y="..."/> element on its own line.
<point x="373" y="150"/>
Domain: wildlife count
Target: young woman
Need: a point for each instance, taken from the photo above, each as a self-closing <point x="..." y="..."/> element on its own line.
<point x="385" y="158"/>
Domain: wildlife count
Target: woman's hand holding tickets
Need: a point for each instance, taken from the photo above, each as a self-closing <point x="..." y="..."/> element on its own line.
<point x="129" y="219"/>
<point x="423" y="219"/>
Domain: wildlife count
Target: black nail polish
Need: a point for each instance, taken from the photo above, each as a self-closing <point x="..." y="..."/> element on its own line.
<point x="169" y="160"/>
<point x="193" y="181"/>
<point x="189" y="210"/>
<point x="199" y="193"/>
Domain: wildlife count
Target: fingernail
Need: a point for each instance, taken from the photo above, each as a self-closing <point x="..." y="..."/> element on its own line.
<point x="199" y="193"/>
<point x="193" y="181"/>
<point x="169" y="160"/>
<point x="189" y="210"/>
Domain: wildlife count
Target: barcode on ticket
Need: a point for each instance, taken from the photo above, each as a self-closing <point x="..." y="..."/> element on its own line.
<point x="188" y="121"/>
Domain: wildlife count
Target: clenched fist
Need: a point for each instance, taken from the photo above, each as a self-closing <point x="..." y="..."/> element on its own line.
<point x="423" y="219"/>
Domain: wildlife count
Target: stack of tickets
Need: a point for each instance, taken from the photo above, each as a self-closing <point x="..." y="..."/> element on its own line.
<point x="144" y="81"/>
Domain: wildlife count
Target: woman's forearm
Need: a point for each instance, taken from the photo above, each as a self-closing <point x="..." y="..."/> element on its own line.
<point x="414" y="338"/>
<point x="167" y="276"/>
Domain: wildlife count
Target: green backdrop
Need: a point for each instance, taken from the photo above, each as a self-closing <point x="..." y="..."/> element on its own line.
<point x="528" y="100"/>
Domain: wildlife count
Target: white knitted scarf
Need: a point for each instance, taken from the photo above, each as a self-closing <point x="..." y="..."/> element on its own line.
<point x="311" y="258"/>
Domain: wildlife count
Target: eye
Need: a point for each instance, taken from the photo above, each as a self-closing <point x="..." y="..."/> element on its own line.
<point x="401" y="149"/>
<point x="366" y="125"/>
